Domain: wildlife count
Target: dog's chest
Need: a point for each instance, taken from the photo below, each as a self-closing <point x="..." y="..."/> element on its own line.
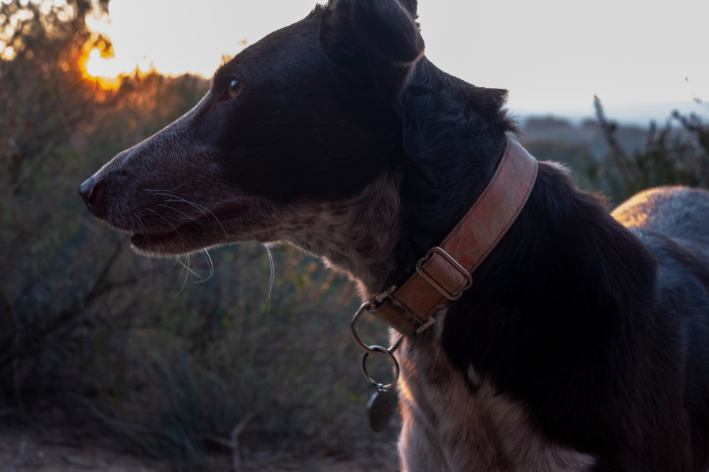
<point x="447" y="427"/>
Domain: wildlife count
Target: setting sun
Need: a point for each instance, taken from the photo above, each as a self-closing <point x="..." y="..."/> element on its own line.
<point x="98" y="62"/>
<point x="104" y="71"/>
<point x="96" y="66"/>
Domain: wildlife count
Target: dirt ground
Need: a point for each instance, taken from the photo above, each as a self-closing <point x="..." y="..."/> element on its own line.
<point x="26" y="452"/>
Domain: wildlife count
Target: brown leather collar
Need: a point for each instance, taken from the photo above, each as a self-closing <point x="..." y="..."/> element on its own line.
<point x="445" y="273"/>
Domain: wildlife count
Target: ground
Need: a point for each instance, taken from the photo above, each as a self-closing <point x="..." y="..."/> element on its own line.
<point x="30" y="451"/>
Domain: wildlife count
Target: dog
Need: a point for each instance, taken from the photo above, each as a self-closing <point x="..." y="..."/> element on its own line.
<point x="583" y="342"/>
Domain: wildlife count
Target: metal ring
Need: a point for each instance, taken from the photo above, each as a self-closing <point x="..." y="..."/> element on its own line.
<point x="380" y="350"/>
<point x="366" y="306"/>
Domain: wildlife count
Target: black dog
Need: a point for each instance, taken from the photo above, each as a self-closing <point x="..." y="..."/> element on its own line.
<point x="582" y="345"/>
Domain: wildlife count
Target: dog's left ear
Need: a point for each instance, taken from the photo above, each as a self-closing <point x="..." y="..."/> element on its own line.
<point x="386" y="28"/>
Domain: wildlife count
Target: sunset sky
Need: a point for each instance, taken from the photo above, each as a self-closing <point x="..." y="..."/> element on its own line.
<point x="553" y="55"/>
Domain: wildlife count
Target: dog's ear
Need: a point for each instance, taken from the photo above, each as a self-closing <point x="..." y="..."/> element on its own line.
<point x="386" y="28"/>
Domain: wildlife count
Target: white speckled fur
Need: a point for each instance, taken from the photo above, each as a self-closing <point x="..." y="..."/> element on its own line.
<point x="356" y="235"/>
<point x="448" y="428"/>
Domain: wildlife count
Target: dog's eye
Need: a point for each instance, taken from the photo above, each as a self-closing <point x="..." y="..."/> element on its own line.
<point x="234" y="89"/>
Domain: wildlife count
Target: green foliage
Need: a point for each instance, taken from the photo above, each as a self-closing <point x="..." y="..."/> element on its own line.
<point x="670" y="157"/>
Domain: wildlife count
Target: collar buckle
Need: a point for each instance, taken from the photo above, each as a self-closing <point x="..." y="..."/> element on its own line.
<point x="454" y="264"/>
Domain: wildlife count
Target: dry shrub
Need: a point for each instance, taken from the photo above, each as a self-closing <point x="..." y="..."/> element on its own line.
<point x="165" y="361"/>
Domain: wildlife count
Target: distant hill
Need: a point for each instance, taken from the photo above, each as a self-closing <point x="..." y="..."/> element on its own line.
<point x="675" y="156"/>
<point x="588" y="133"/>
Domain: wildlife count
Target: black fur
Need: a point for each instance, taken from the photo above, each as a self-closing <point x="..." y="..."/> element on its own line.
<point x="571" y="314"/>
<point x="602" y="337"/>
<point x="600" y="332"/>
<point x="576" y="318"/>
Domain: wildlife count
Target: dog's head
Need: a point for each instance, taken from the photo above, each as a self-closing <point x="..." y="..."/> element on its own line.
<point x="294" y="124"/>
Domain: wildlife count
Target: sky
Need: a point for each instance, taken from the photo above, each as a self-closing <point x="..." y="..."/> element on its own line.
<point x="552" y="55"/>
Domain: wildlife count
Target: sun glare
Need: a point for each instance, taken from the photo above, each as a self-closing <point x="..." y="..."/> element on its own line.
<point x="8" y="53"/>
<point x="104" y="71"/>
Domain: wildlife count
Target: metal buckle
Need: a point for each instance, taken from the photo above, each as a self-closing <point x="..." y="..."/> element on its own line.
<point x="367" y="306"/>
<point x="455" y="265"/>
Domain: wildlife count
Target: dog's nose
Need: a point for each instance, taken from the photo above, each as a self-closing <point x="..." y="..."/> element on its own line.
<point x="93" y="192"/>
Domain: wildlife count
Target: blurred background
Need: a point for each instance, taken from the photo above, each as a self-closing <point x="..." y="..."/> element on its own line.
<point x="240" y="358"/>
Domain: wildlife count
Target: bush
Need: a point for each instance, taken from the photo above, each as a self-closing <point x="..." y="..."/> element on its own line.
<point x="669" y="158"/>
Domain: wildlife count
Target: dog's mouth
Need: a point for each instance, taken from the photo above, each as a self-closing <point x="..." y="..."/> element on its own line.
<point x="151" y="241"/>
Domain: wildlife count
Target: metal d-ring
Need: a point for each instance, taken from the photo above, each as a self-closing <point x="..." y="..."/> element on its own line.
<point x="382" y="351"/>
<point x="366" y="307"/>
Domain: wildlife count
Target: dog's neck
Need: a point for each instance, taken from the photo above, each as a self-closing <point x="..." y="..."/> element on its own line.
<point x="357" y="235"/>
<point x="454" y="136"/>
<point x="429" y="185"/>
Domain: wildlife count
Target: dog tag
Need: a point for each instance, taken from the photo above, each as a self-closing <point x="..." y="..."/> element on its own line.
<point x="381" y="408"/>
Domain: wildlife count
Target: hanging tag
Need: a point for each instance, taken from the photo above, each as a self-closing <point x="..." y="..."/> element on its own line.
<point x="381" y="408"/>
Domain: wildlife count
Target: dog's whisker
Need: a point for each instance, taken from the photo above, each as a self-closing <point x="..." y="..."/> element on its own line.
<point x="201" y="279"/>
<point x="171" y="225"/>
<point x="189" y="218"/>
<point x="203" y="210"/>
<point x="142" y="229"/>
<point x="187" y="274"/>
<point x="147" y="236"/>
<point x="211" y="267"/>
<point x="173" y="265"/>
<point x="272" y="280"/>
